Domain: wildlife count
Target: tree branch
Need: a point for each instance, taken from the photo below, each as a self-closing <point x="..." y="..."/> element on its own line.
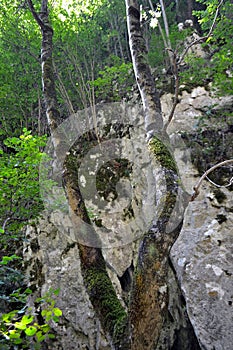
<point x="35" y="14"/>
<point x="197" y="186"/>
<point x="176" y="78"/>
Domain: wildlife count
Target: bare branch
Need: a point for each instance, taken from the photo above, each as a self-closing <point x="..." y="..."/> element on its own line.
<point x="176" y="78"/>
<point x="35" y="14"/>
<point x="196" y="188"/>
<point x="5" y="222"/>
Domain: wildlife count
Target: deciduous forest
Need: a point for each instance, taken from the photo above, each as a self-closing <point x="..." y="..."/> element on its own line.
<point x="115" y="116"/>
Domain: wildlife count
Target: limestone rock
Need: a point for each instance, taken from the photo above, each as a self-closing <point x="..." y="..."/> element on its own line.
<point x="60" y="268"/>
<point x="203" y="259"/>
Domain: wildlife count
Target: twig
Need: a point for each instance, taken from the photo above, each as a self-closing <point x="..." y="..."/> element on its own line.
<point x="176" y="78"/>
<point x="196" y="188"/>
<point x="5" y="222"/>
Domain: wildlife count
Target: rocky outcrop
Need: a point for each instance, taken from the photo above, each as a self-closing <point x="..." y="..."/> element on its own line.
<point x="203" y="254"/>
<point x="201" y="257"/>
<point x="52" y="261"/>
<point x="203" y="260"/>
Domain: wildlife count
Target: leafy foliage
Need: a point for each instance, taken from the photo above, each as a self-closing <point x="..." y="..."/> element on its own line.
<point x="217" y="69"/>
<point x="20" y="327"/>
<point x="114" y="83"/>
<point x="19" y="202"/>
<point x="19" y="70"/>
<point x="19" y="187"/>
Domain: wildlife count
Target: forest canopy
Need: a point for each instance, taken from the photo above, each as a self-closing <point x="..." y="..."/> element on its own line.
<point x="91" y="55"/>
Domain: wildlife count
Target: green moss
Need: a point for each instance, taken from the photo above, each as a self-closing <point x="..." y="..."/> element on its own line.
<point x="162" y="154"/>
<point x="102" y="294"/>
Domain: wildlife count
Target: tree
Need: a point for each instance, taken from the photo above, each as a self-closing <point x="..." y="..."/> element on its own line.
<point x="95" y="276"/>
<point x="151" y="272"/>
<point x="150" y="275"/>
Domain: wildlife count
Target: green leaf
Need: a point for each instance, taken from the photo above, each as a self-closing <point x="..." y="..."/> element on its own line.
<point x="20" y="325"/>
<point x="209" y="39"/>
<point x="30" y="331"/>
<point x="51" y="336"/>
<point x="40" y="336"/>
<point x="7" y="259"/>
<point x="26" y="319"/>
<point x="14" y="334"/>
<point x="56" y="291"/>
<point x="45" y="328"/>
<point x="55" y="319"/>
<point x="57" y="312"/>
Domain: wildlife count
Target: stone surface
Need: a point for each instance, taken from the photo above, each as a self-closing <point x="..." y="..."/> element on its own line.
<point x="202" y="258"/>
<point x="190" y="107"/>
<point x="59" y="260"/>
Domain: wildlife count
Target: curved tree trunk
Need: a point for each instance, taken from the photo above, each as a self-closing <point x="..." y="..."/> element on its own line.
<point x="98" y="284"/>
<point x="150" y="293"/>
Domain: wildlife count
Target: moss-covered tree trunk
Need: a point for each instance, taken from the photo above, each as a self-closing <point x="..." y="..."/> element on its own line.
<point x="149" y="297"/>
<point x="98" y="284"/>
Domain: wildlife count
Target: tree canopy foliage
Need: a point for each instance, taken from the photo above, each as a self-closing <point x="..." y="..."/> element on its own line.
<point x="91" y="52"/>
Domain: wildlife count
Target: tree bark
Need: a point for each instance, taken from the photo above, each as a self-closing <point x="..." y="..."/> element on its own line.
<point x="144" y="78"/>
<point x="149" y="297"/>
<point x="102" y="294"/>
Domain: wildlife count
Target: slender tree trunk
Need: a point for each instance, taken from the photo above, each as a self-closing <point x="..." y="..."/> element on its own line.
<point x="149" y="297"/>
<point x="144" y="78"/>
<point x="98" y="284"/>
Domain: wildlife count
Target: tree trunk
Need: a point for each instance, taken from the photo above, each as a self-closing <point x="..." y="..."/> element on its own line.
<point x="144" y="78"/>
<point x="150" y="294"/>
<point x="98" y="284"/>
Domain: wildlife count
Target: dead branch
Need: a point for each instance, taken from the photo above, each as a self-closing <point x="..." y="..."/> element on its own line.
<point x="197" y="186"/>
<point x="176" y="78"/>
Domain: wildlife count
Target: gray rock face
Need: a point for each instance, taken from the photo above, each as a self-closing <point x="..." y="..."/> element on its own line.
<point x="54" y="263"/>
<point x="202" y="258"/>
<point x="203" y="254"/>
